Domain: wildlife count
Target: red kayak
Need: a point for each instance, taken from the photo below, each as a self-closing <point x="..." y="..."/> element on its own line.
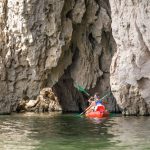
<point x="101" y="112"/>
<point x="97" y="114"/>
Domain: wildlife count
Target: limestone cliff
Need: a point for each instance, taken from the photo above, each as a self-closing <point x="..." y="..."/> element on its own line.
<point x="130" y="68"/>
<point x="54" y="43"/>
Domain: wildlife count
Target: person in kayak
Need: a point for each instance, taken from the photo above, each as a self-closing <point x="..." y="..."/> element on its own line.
<point x="96" y="104"/>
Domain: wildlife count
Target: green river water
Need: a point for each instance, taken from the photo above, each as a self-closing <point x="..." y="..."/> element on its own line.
<point x="72" y="132"/>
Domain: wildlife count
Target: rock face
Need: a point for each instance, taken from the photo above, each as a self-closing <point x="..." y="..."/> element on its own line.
<point x="130" y="68"/>
<point x="54" y="43"/>
<point x="45" y="102"/>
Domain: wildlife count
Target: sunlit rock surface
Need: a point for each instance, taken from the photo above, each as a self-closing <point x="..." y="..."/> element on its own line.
<point x="130" y="68"/>
<point x="45" y="102"/>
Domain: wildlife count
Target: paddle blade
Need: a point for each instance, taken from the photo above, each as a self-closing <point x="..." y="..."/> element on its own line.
<point x="81" y="89"/>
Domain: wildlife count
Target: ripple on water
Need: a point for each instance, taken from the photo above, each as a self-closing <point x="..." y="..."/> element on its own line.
<point x="69" y="132"/>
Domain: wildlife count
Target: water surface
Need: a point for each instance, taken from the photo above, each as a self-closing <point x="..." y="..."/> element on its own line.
<point x="72" y="132"/>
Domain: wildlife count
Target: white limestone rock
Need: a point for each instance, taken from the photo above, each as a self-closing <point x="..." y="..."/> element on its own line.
<point x="130" y="68"/>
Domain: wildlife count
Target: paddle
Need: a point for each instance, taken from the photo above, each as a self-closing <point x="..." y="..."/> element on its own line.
<point x="105" y="96"/>
<point x="97" y="100"/>
<point x="84" y="111"/>
<point x="81" y="89"/>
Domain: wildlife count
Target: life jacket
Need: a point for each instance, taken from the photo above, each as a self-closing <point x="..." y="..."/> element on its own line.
<point x="99" y="106"/>
<point x="99" y="102"/>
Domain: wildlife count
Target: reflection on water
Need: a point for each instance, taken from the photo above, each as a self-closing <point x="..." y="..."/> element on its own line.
<point x="133" y="132"/>
<point x="71" y="132"/>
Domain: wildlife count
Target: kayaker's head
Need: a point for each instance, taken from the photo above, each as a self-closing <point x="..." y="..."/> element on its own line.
<point x="96" y="96"/>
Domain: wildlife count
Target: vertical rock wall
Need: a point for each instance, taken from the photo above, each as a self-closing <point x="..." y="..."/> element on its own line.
<point x="40" y="40"/>
<point x="34" y="40"/>
<point x="130" y="68"/>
